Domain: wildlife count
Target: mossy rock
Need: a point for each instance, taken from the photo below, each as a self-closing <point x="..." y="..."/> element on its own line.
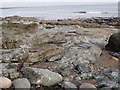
<point x="114" y="43"/>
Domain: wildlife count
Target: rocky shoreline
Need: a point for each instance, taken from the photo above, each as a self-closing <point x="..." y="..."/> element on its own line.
<point x="64" y="54"/>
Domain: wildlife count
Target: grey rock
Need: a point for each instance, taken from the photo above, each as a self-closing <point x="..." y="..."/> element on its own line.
<point x="83" y="68"/>
<point x="98" y="40"/>
<point x="19" y="55"/>
<point x="6" y="68"/>
<point x="81" y="54"/>
<point x="111" y="74"/>
<point x="45" y="52"/>
<point x="21" y="83"/>
<point x="115" y="75"/>
<point x="41" y="76"/>
<point x="108" y="83"/>
<point x="69" y="85"/>
<point x="65" y="72"/>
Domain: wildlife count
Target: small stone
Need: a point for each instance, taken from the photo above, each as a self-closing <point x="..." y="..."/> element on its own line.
<point x="115" y="74"/>
<point x="69" y="85"/>
<point x="5" y="82"/>
<point x="78" y="80"/>
<point x="14" y="75"/>
<point x="114" y="59"/>
<point x="21" y="83"/>
<point x="65" y="72"/>
<point x="87" y="85"/>
<point x="84" y="76"/>
<point x="83" y="68"/>
<point x="66" y="79"/>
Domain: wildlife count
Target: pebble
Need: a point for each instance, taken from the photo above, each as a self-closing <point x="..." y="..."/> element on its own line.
<point x="5" y="82"/>
<point x="114" y="59"/>
<point x="87" y="85"/>
<point x="69" y="85"/>
<point x="65" y="72"/>
<point x="21" y="83"/>
<point x="14" y="75"/>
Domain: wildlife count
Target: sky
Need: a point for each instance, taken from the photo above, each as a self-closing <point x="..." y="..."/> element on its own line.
<point x="59" y="0"/>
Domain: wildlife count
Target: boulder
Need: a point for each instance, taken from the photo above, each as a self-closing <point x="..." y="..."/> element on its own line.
<point x="22" y="83"/>
<point x="5" y="82"/>
<point x="81" y="55"/>
<point x="41" y="76"/>
<point x="114" y="43"/>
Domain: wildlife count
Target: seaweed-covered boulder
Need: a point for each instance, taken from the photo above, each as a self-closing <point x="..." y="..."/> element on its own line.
<point x="114" y="43"/>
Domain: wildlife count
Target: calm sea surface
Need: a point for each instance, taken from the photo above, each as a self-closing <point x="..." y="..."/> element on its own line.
<point x="61" y="10"/>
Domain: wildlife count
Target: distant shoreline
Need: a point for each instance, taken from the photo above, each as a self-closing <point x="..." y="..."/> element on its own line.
<point x="13" y="7"/>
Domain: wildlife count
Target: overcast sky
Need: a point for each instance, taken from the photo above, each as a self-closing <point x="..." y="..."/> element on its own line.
<point x="59" y="0"/>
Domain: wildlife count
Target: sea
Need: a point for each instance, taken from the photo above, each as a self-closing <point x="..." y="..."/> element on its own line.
<point x="59" y="10"/>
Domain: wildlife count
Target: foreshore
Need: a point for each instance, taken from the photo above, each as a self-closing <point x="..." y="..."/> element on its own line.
<point x="66" y="54"/>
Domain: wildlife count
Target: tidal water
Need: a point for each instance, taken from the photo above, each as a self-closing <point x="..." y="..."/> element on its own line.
<point x="60" y="10"/>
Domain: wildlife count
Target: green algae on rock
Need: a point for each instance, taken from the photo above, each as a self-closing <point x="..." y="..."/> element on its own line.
<point x="114" y="43"/>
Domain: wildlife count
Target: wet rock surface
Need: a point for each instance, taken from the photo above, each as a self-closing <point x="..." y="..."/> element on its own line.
<point x="62" y="54"/>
